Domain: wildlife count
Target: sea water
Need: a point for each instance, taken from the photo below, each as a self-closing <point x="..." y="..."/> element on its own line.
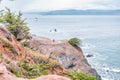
<point x="100" y="37"/>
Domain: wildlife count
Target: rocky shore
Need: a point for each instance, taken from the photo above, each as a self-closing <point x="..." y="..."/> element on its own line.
<point x="71" y="57"/>
<point x="59" y="56"/>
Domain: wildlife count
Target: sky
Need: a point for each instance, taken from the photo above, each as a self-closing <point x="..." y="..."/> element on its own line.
<point x="48" y="5"/>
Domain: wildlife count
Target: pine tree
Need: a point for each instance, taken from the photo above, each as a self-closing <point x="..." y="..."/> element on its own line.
<point x="15" y="24"/>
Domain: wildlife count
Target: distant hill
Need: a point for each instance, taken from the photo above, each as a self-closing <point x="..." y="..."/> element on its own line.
<point x="79" y="12"/>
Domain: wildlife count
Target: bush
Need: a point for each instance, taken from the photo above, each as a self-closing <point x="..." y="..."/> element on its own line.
<point x="74" y="41"/>
<point x="81" y="76"/>
<point x="29" y="70"/>
<point x="15" y="24"/>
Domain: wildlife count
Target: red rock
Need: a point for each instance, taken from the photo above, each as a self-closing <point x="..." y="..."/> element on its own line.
<point x="52" y="77"/>
<point x="71" y="57"/>
<point x="6" y="75"/>
<point x="5" y="53"/>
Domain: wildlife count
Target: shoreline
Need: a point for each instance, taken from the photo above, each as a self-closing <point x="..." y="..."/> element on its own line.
<point x="59" y="47"/>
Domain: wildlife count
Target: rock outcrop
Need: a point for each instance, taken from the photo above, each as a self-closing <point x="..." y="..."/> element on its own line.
<point x="6" y="75"/>
<point x="89" y="55"/>
<point x="70" y="56"/>
<point x="52" y="57"/>
<point x="24" y="61"/>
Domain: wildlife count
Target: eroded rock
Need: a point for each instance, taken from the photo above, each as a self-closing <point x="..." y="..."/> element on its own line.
<point x="6" y="75"/>
<point x="71" y="57"/>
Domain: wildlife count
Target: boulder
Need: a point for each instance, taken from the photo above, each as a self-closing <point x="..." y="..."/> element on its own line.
<point x="89" y="55"/>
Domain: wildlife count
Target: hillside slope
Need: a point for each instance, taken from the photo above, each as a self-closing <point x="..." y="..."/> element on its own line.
<point x="71" y="57"/>
<point x="23" y="62"/>
<point x="41" y="57"/>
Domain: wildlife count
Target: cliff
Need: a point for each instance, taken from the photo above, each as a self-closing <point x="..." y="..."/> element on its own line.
<point x="6" y="75"/>
<point x="71" y="57"/>
<point x="42" y="56"/>
<point x="24" y="62"/>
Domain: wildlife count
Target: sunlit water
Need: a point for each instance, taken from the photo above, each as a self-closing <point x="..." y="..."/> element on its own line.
<point x="100" y="36"/>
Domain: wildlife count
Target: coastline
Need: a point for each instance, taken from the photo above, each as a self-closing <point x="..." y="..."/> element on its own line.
<point x="71" y="57"/>
<point x="41" y="54"/>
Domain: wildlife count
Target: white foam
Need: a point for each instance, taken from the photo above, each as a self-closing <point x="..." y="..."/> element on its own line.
<point x="106" y="68"/>
<point x="106" y="79"/>
<point x="112" y="70"/>
<point x="116" y="70"/>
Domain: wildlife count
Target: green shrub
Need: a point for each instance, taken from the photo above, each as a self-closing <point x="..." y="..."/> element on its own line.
<point x="31" y="70"/>
<point x="17" y="73"/>
<point x="15" y="24"/>
<point x="74" y="41"/>
<point x="7" y="44"/>
<point x="24" y="43"/>
<point x="81" y="76"/>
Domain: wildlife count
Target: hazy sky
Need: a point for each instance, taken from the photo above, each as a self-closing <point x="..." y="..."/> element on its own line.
<point x="45" y="5"/>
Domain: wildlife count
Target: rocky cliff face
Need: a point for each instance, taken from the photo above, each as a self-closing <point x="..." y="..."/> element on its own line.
<point x="24" y="62"/>
<point x="70" y="56"/>
<point x="6" y="75"/>
<point x="41" y="57"/>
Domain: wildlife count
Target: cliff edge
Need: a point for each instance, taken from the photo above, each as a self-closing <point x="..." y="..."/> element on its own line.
<point x="71" y="57"/>
<point x="20" y="61"/>
<point x="41" y="56"/>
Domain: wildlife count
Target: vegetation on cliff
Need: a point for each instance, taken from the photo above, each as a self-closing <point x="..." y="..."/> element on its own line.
<point x="81" y="76"/>
<point x="15" y="24"/>
<point x="74" y="41"/>
<point x="30" y="64"/>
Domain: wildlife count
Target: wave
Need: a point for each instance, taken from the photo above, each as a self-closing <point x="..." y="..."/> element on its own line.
<point x="106" y="79"/>
<point x="116" y="70"/>
<point x="112" y="70"/>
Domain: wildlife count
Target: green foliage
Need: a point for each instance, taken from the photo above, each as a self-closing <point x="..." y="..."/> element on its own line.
<point x="16" y="25"/>
<point x="17" y="73"/>
<point x="31" y="70"/>
<point x="74" y="41"/>
<point x="81" y="76"/>
<point x="24" y="43"/>
<point x="7" y="44"/>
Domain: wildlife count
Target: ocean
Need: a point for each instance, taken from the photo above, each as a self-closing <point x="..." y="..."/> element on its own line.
<point x="100" y="35"/>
